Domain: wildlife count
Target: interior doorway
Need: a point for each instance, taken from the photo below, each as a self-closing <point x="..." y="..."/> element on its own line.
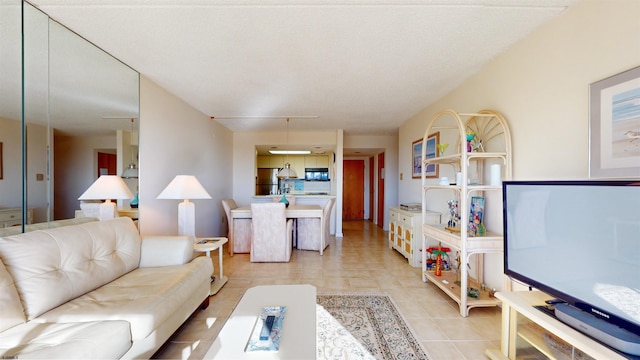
<point x="106" y="164"/>
<point x="353" y="190"/>
<point x="381" y="190"/>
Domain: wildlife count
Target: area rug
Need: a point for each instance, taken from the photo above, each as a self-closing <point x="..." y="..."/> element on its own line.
<point x="364" y="326"/>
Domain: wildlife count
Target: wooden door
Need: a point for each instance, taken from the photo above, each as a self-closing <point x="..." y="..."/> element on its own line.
<point x="380" y="190"/>
<point x="106" y="164"/>
<point x="353" y="190"/>
<point x="372" y="181"/>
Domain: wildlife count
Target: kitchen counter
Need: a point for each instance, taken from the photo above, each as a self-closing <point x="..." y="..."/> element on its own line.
<point x="298" y="196"/>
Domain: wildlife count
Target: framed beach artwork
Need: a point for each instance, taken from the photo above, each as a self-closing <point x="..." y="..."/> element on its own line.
<point x="416" y="152"/>
<point x="614" y="126"/>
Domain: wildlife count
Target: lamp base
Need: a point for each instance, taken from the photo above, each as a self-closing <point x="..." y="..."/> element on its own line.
<point x="107" y="210"/>
<point x="187" y="218"/>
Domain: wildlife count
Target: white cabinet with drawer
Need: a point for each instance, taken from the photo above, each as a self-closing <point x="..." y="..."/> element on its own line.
<point x="13" y="217"/>
<point x="405" y="232"/>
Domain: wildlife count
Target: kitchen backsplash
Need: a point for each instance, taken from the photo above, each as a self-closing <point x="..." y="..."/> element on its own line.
<point x="299" y="186"/>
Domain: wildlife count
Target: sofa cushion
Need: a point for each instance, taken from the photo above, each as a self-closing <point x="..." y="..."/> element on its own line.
<point x="53" y="266"/>
<point x="84" y="340"/>
<point x="11" y="312"/>
<point x="145" y="297"/>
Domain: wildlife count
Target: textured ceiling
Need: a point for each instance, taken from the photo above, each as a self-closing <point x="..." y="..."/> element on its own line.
<point x="362" y="66"/>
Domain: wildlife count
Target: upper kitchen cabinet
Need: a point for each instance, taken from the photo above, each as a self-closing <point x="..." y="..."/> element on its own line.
<point x="316" y="161"/>
<point x="297" y="164"/>
<point x="271" y="161"/>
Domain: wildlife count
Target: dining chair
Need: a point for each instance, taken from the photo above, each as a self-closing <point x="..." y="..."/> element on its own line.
<point x="309" y="231"/>
<point x="240" y="234"/>
<point x="271" y="240"/>
<point x="292" y="202"/>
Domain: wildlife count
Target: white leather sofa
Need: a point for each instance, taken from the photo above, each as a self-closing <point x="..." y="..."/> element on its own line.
<point x="96" y="290"/>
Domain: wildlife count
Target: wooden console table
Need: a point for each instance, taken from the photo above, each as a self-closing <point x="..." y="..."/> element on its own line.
<point x="524" y="329"/>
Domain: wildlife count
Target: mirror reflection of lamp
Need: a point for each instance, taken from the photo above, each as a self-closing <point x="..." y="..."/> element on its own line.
<point x="107" y="187"/>
<point x="185" y="187"/>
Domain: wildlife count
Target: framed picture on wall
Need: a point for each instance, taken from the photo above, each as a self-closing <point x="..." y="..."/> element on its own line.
<point x="416" y="152"/>
<point x="614" y="126"/>
<point x="0" y="160"/>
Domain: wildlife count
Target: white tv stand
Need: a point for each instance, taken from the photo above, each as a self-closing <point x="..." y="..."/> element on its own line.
<point x="524" y="329"/>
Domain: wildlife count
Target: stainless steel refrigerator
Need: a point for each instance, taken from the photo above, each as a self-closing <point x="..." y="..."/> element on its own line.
<point x="267" y="181"/>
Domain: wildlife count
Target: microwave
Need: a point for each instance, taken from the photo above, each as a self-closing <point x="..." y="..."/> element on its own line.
<point x="316" y="174"/>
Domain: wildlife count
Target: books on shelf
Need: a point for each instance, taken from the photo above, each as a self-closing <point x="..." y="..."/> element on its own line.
<point x="267" y="330"/>
<point x="414" y="206"/>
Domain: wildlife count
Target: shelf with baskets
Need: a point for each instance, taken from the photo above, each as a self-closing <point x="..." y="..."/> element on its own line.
<point x="489" y="147"/>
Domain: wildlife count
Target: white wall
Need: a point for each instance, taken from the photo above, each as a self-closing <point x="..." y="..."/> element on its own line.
<point x="541" y="86"/>
<point x="176" y="139"/>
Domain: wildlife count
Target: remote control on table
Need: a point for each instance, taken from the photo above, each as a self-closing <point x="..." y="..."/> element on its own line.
<point x="266" y="327"/>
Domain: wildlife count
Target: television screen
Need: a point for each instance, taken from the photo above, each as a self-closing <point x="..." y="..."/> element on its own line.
<point x="578" y="241"/>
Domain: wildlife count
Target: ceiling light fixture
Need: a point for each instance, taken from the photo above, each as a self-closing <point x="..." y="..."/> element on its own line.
<point x="287" y="172"/>
<point x="289" y="152"/>
<point x="130" y="172"/>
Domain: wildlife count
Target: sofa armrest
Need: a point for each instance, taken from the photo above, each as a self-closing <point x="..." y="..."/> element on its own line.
<point x="166" y="250"/>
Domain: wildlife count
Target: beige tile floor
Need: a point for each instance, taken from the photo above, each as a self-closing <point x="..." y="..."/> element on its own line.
<point x="359" y="262"/>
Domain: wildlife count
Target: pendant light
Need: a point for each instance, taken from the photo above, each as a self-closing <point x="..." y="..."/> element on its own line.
<point x="287" y="172"/>
<point x="130" y="171"/>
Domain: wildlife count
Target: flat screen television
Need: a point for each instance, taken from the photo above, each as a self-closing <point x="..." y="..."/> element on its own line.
<point x="579" y="241"/>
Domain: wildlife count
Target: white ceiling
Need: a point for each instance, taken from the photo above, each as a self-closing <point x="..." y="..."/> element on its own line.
<point x="362" y="66"/>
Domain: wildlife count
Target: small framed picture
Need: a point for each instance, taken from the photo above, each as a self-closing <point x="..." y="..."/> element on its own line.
<point x="431" y="152"/>
<point x="476" y="216"/>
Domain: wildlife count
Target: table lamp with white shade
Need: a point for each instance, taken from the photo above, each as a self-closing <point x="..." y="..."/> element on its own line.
<point x="107" y="187"/>
<point x="185" y="187"/>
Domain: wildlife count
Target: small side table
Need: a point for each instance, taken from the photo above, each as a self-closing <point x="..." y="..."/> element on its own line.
<point x="207" y="245"/>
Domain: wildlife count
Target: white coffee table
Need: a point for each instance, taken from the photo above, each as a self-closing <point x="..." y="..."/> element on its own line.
<point x="212" y="244"/>
<point x="298" y="340"/>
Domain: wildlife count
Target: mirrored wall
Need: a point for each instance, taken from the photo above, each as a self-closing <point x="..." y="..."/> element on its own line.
<point x="68" y="112"/>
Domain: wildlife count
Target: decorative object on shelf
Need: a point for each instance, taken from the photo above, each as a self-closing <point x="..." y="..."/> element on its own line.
<point x="444" y="181"/>
<point x="495" y="175"/>
<point x="431" y="170"/>
<point x="185" y="187"/>
<point x="614" y="124"/>
<point x="453" y="213"/>
<point x="470" y="137"/>
<point x="473" y="293"/>
<point x="442" y="148"/>
<point x="438" y="259"/>
<point x="105" y="188"/>
<point x="476" y="215"/>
